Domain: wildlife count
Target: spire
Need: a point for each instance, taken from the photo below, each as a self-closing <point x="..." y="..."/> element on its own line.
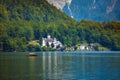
<point x="48" y="36"/>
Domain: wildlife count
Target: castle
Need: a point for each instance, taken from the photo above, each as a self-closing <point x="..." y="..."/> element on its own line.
<point x="51" y="42"/>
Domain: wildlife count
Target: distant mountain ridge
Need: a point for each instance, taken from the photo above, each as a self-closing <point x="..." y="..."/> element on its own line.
<point x="23" y="21"/>
<point x="96" y="10"/>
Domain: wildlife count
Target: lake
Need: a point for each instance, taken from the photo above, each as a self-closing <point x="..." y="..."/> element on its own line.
<point x="76" y="65"/>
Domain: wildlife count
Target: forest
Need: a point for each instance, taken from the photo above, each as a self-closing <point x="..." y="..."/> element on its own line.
<point x="24" y="20"/>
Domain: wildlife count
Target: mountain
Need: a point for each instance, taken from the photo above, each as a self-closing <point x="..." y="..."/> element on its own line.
<point x="31" y="10"/>
<point x="23" y="21"/>
<point x="60" y="3"/>
<point x="96" y="10"/>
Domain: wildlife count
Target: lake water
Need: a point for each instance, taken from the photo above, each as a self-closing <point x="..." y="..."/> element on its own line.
<point x="60" y="66"/>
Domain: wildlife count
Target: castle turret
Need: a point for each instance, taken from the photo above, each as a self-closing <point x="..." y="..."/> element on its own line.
<point x="48" y="36"/>
<point x="43" y="42"/>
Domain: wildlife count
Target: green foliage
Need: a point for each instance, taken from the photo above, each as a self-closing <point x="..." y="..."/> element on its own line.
<point x="24" y="20"/>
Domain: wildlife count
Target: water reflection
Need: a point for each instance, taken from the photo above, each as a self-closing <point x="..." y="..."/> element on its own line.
<point x="32" y="67"/>
<point x="60" y="66"/>
<point x="63" y="66"/>
<point x="52" y="65"/>
<point x="69" y="66"/>
<point x="83" y="65"/>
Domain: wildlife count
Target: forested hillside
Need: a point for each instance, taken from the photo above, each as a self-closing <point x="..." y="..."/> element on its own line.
<point x="24" y="20"/>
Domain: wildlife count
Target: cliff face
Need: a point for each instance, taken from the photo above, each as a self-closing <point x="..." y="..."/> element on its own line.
<point x="97" y="10"/>
<point x="59" y="3"/>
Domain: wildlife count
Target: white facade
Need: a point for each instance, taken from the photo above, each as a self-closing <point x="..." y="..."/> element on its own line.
<point x="84" y="47"/>
<point x="51" y="42"/>
<point x="43" y="42"/>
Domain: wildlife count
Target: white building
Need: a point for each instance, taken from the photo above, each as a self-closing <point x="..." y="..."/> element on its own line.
<point x="84" y="47"/>
<point x="51" y="42"/>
